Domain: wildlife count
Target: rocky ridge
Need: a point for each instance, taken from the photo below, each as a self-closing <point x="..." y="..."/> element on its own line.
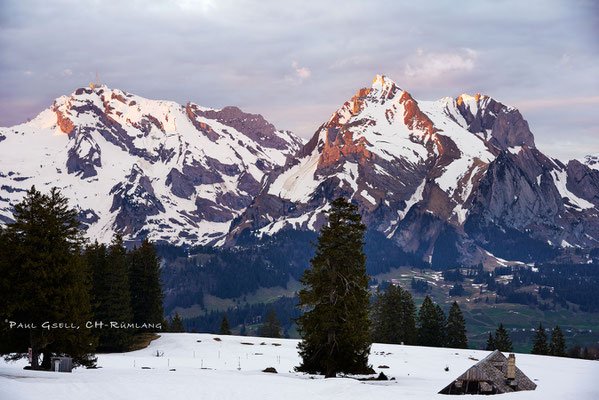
<point x="175" y="173"/>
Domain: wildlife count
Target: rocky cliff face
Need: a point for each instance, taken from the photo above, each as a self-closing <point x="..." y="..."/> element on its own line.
<point x="141" y="167"/>
<point x="422" y="172"/>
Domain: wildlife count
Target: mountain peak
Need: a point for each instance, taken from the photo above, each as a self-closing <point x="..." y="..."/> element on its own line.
<point x="383" y="83"/>
<point x="466" y="98"/>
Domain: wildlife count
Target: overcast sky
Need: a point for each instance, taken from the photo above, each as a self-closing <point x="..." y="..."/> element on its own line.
<point x="296" y="62"/>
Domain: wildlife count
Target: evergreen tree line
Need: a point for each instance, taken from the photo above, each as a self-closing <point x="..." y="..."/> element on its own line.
<point x="258" y="262"/>
<point x="576" y="283"/>
<point x="247" y="319"/>
<point x="419" y="285"/>
<point x="126" y="290"/>
<point x="271" y="327"/>
<point x="558" y="283"/>
<point x="588" y="352"/>
<point x="54" y="290"/>
<point x="556" y="346"/>
<point x="395" y="320"/>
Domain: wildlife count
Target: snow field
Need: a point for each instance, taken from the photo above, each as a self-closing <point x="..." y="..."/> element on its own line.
<point x="232" y="370"/>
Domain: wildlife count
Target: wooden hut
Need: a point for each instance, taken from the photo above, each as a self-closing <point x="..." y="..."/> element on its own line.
<point x="493" y="374"/>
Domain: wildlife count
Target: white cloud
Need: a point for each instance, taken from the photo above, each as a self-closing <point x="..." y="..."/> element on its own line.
<point x="67" y="72"/>
<point x="299" y="73"/>
<point x="431" y="65"/>
<point x="303" y="72"/>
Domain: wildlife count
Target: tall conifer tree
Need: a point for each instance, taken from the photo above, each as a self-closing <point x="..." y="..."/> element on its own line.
<point x="176" y="324"/>
<point x="112" y="298"/>
<point x="272" y="326"/>
<point x="394" y="317"/>
<point x="441" y="320"/>
<point x="539" y="343"/>
<point x="502" y="339"/>
<point x="557" y="345"/>
<point x="490" y="343"/>
<point x="145" y="285"/>
<point x="49" y="281"/>
<point x="224" y="326"/>
<point x="431" y="324"/>
<point x="335" y="325"/>
<point x="456" y="328"/>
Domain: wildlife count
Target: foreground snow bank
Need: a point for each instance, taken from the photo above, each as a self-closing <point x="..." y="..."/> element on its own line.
<point x="195" y="366"/>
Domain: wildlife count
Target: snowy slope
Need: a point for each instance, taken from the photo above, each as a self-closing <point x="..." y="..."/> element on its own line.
<point x="143" y="167"/>
<point x="232" y="370"/>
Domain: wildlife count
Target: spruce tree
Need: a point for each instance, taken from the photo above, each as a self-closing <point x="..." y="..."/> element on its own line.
<point x="456" y="328"/>
<point x="145" y="285"/>
<point x="112" y="299"/>
<point x="539" y="343"/>
<point x="490" y="343"/>
<point x="224" y="326"/>
<point x="46" y="280"/>
<point x="431" y="324"/>
<point x="176" y="324"/>
<point x="335" y="325"/>
<point x="394" y="317"/>
<point x="502" y="339"/>
<point x="441" y="321"/>
<point x="557" y="345"/>
<point x="272" y="326"/>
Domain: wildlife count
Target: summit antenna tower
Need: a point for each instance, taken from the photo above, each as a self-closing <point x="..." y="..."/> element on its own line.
<point x="94" y="85"/>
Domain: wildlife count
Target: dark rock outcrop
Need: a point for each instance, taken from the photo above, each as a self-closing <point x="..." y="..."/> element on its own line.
<point x="134" y="201"/>
<point x="583" y="181"/>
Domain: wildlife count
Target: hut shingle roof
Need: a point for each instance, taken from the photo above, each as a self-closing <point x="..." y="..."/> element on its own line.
<point x="492" y="370"/>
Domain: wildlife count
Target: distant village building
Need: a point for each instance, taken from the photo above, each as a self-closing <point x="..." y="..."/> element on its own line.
<point x="494" y="374"/>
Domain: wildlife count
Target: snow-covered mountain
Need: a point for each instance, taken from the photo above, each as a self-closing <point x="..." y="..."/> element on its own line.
<point x="429" y="173"/>
<point x="175" y="173"/>
<point x="456" y="177"/>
